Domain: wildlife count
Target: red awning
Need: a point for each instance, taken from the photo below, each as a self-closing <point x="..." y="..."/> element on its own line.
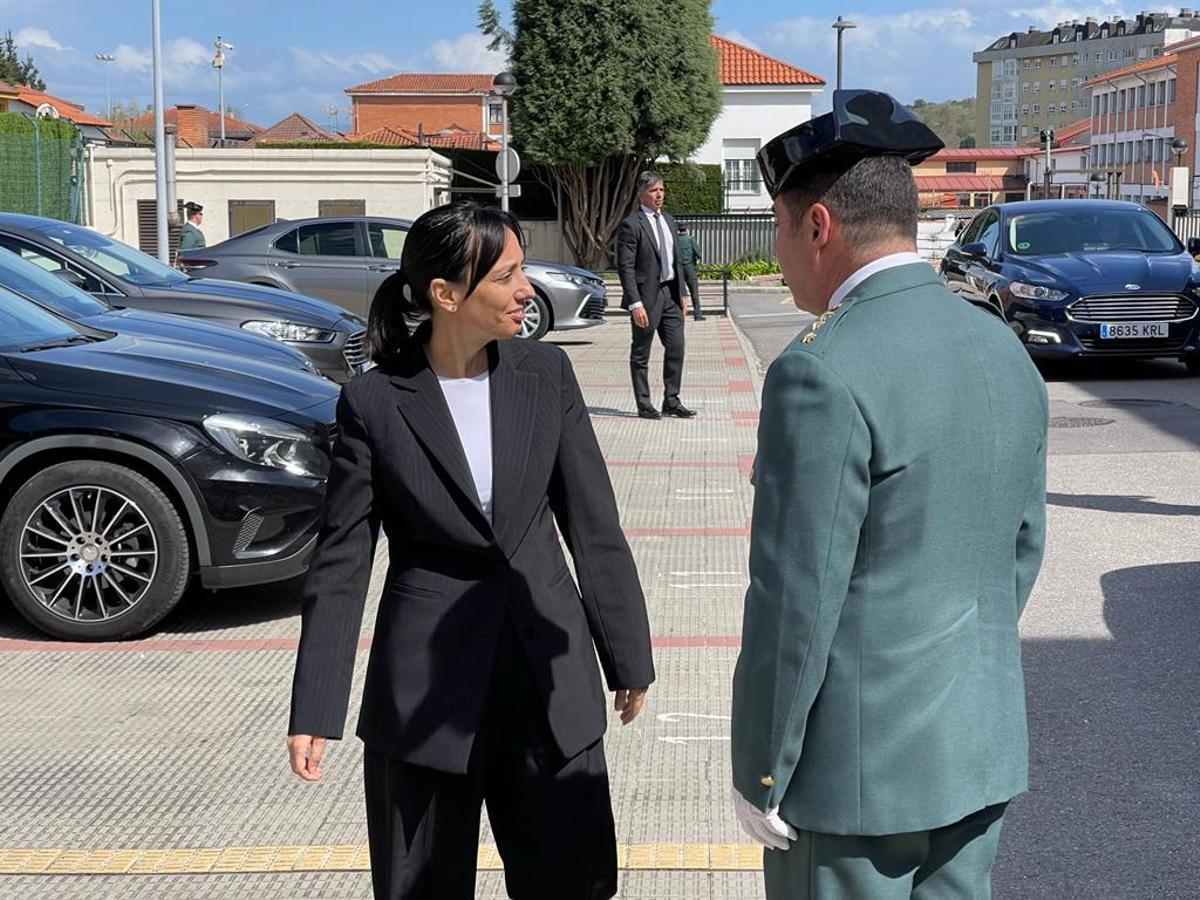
<point x="960" y="183"/>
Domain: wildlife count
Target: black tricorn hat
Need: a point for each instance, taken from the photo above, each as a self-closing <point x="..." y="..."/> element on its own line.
<point x="861" y="124"/>
<point x="193" y="207"/>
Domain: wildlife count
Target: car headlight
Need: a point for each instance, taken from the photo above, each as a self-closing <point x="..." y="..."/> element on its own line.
<point x="582" y="281"/>
<point x="1037" y="291"/>
<point x="265" y="442"/>
<point x="291" y="331"/>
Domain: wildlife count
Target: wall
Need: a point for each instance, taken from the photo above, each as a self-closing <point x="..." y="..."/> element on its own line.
<point x="752" y="116"/>
<point x="372" y="112"/>
<point x="401" y="183"/>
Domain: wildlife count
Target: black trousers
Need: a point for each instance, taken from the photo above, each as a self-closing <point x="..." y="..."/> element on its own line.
<point x="551" y="817"/>
<point x="689" y="278"/>
<point x="666" y="318"/>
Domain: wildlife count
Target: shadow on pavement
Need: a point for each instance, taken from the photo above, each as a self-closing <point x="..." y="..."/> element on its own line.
<point x="611" y="412"/>
<point x="1114" y="726"/>
<point x="1121" y="503"/>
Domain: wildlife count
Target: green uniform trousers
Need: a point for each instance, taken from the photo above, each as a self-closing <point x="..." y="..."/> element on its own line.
<point x="949" y="863"/>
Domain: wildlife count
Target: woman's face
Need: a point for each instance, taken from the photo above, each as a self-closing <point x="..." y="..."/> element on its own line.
<point x="496" y="308"/>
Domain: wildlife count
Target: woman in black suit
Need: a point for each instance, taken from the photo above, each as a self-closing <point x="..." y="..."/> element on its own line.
<point x="482" y="684"/>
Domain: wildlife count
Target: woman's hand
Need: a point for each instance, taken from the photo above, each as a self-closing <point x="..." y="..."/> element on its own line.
<point x="629" y="703"/>
<point x="306" y="751"/>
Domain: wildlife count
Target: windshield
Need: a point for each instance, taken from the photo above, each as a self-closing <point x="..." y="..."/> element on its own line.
<point x="23" y="323"/>
<point x="119" y="259"/>
<point x="30" y="279"/>
<point x="1089" y="231"/>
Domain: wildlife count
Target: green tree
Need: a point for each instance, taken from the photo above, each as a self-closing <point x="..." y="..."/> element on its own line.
<point x="14" y="70"/>
<point x="131" y="109"/>
<point x="953" y="120"/>
<point x="605" y="86"/>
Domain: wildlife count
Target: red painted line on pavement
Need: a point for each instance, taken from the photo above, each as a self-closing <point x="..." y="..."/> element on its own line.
<point x="746" y="464"/>
<point x="670" y="464"/>
<point x="220" y="645"/>
<point x="740" y="386"/>
<point x="745" y="415"/>
<point x="735" y="361"/>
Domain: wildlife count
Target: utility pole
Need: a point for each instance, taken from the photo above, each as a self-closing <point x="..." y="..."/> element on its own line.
<point x="841" y="25"/>
<point x="160" y="141"/>
<point x="219" y="64"/>
<point x="1047" y="136"/>
<point x="107" y="59"/>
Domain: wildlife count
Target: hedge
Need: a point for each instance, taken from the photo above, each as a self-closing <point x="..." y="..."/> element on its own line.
<point x="692" y="188"/>
<point x="39" y="153"/>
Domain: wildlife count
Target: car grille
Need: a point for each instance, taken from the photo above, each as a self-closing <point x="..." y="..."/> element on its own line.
<point x="355" y="351"/>
<point x="1133" y="308"/>
<point x="593" y="309"/>
<point x="1165" y="346"/>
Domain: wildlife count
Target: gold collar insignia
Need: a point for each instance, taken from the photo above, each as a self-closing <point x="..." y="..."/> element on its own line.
<point x="812" y="330"/>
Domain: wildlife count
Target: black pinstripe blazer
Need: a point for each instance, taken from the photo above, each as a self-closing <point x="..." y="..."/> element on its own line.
<point x="453" y="577"/>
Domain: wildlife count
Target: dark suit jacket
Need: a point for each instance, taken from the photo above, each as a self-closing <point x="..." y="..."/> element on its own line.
<point x="453" y="578"/>
<point x="637" y="261"/>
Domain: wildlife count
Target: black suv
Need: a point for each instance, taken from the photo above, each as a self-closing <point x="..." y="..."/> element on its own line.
<point x="127" y="465"/>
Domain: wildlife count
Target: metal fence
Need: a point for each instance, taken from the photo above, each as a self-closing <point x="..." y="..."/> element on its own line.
<point x="41" y="166"/>
<point x="728" y="238"/>
<point x="1187" y="226"/>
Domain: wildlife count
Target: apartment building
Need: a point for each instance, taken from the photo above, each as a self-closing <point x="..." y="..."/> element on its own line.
<point x="1137" y="113"/>
<point x="1027" y="81"/>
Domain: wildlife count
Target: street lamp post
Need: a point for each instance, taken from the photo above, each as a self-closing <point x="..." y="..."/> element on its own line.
<point x="841" y="25"/>
<point x="219" y="64"/>
<point x="504" y="85"/>
<point x="107" y="59"/>
<point x="160" y="140"/>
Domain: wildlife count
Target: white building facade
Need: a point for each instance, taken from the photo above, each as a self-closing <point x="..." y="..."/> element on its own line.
<point x="762" y="97"/>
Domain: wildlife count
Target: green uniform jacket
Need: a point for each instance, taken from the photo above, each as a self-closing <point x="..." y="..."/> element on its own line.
<point x="190" y="237"/>
<point x="689" y="252"/>
<point x="899" y="522"/>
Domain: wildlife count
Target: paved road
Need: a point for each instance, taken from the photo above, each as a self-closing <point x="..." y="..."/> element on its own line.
<point x="1112" y="634"/>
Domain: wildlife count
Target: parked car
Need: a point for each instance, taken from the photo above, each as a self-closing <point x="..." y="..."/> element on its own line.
<point x="122" y="276"/>
<point x="1082" y="278"/>
<point x="62" y="297"/>
<point x="346" y="260"/>
<point x="130" y="465"/>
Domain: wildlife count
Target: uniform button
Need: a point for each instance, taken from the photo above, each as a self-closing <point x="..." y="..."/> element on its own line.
<point x="767" y="781"/>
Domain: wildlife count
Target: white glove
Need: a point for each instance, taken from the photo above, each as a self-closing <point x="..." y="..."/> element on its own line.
<point x="766" y="828"/>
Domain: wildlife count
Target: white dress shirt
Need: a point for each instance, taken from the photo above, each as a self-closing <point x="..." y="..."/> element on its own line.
<point x="874" y="267"/>
<point x="670" y="249"/>
<point x="470" y="405"/>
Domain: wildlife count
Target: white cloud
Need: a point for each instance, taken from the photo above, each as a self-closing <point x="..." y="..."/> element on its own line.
<point x="1046" y="17"/>
<point x="180" y="55"/>
<point x="37" y="37"/>
<point x="738" y="38"/>
<point x="317" y="62"/>
<point x="466" y="53"/>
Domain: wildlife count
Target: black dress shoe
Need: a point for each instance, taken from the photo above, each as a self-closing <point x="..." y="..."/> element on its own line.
<point x="678" y="410"/>
<point x="699" y="318"/>
<point x="648" y="412"/>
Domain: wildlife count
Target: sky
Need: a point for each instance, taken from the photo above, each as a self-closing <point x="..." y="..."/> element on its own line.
<point x="300" y="55"/>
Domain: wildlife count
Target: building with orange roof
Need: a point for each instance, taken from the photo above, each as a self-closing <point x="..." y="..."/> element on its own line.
<point x="197" y="127"/>
<point x="1138" y="112"/>
<point x="19" y="98"/>
<point x="425" y="102"/>
<point x="973" y="177"/>
<point x="292" y="129"/>
<point x="761" y="96"/>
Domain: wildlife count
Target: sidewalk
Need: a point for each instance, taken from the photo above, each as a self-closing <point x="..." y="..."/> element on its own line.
<point x="164" y="759"/>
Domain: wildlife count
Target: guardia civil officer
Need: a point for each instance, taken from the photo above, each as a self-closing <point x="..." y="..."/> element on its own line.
<point x="190" y="236"/>
<point x="899" y="518"/>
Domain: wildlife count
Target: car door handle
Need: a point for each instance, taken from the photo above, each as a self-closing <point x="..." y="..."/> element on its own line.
<point x="383" y="268"/>
<point x="286" y="264"/>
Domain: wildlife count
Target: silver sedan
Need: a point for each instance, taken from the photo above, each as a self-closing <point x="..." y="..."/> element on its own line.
<point x="346" y="259"/>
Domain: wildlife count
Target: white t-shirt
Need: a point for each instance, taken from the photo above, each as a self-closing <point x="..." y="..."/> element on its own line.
<point x="470" y="405"/>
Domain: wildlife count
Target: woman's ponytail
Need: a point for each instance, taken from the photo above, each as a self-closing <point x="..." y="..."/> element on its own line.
<point x="387" y="322"/>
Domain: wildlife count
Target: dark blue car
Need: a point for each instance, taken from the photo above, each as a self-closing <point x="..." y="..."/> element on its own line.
<point x="1082" y="278"/>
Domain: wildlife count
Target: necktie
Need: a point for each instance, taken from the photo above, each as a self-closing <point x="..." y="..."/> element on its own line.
<point x="664" y="273"/>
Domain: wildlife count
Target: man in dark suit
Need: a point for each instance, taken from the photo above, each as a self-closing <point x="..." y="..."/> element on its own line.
<point x="899" y="520"/>
<point x="650" y="266"/>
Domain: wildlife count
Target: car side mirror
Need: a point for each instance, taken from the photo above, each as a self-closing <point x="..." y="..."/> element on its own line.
<point x="976" y="249"/>
<point x="1193" y="246"/>
<point x="70" y="277"/>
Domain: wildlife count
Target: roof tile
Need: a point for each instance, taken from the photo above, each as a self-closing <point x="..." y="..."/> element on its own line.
<point x="426" y="83"/>
<point x="741" y="65"/>
<point x="295" y="127"/>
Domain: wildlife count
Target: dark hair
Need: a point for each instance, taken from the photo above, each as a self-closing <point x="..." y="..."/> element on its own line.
<point x="459" y="242"/>
<point x="647" y="179"/>
<point x="681" y="228"/>
<point x="874" y="200"/>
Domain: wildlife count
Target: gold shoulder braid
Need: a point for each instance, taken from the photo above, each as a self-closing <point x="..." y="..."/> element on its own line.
<point x="812" y="331"/>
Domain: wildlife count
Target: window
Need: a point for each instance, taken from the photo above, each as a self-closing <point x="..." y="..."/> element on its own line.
<point x="287" y="243"/>
<point x="1053" y="62"/>
<point x="1128" y="54"/>
<point x="1024" y="109"/>
<point x="1112" y="55"/>
<point x="386" y="240"/>
<point x="1053" y="40"/>
<point x="1062" y="106"/>
<point x="1143" y="52"/>
<point x="1075" y="59"/>
<point x="495" y="116"/>
<point x="990" y="233"/>
<point x="1171" y="91"/>
<point x="44" y="287"/>
<point x="1037" y="63"/>
<point x="246" y="215"/>
<point x="1037" y="87"/>
<point x="327" y="239"/>
<point x="1024" y="64"/>
<point x="339" y="209"/>
<point x="997" y="91"/>
<point x="742" y="176"/>
<point x="1025" y="87"/>
<point x="1010" y="68"/>
<point x="961" y="167"/>
<point x="1037" y="108"/>
<point x="994" y="135"/>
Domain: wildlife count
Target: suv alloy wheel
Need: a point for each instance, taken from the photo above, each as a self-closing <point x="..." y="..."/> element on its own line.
<point x="92" y="550"/>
